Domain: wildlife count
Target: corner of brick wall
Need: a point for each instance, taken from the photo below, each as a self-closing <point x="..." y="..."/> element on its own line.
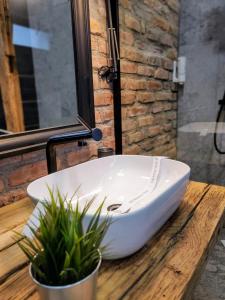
<point x="148" y="38"/>
<point x="103" y="96"/>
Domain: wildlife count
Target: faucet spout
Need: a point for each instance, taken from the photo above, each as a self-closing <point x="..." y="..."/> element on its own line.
<point x="94" y="133"/>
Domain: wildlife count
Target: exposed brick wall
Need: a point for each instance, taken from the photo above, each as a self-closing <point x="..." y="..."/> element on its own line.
<point x="148" y="44"/>
<point x="148" y="32"/>
<point x="16" y="172"/>
<point x="103" y="97"/>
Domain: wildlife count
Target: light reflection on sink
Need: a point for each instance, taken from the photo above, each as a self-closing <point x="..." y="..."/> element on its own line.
<point x="142" y="191"/>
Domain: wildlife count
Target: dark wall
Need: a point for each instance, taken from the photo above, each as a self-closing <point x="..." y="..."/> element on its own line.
<point x="202" y="32"/>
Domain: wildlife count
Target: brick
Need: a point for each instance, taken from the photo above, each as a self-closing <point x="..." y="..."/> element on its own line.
<point x="171" y="115"/>
<point x="12" y="196"/>
<point x="173" y="87"/>
<point x="173" y="5"/>
<point x="103" y="115"/>
<point x="124" y="139"/>
<point x="101" y="10"/>
<point x="61" y="162"/>
<point x="143" y="26"/>
<point x="145" y="70"/>
<point x="174" y="30"/>
<point x="133" y="84"/>
<point x="135" y="137"/>
<point x="125" y="4"/>
<point x="154" y="60"/>
<point x="161" y="74"/>
<point x="128" y="67"/>
<point x="154" y="5"/>
<point x="161" y="118"/>
<point x="171" y="53"/>
<point x="124" y="113"/>
<point x="166" y="85"/>
<point x="174" y="105"/>
<point x="167" y="106"/>
<point x="97" y="28"/>
<point x="146" y="144"/>
<point x="132" y="54"/>
<point x="131" y="149"/>
<point x="174" y="97"/>
<point x="161" y="96"/>
<point x="168" y="127"/>
<point x="77" y="157"/>
<point x="98" y="44"/>
<point x="93" y="146"/>
<point x="103" y="98"/>
<point x="162" y="150"/>
<point x="132" y="23"/>
<point x="1" y="185"/>
<point x="173" y="134"/>
<point x="161" y="23"/>
<point x="154" y="85"/>
<point x="145" y="121"/>
<point x="98" y="83"/>
<point x="27" y="173"/>
<point x="102" y="45"/>
<point x="64" y="148"/>
<point x="129" y="124"/>
<point x="98" y="61"/>
<point x="159" y="106"/>
<point x="167" y="64"/>
<point x="34" y="156"/>
<point x="153" y="131"/>
<point x="128" y="97"/>
<point x="136" y="111"/>
<point x="126" y="37"/>
<point x="162" y="139"/>
<point x="10" y="160"/>
<point x="145" y="97"/>
<point x="107" y="130"/>
<point x="154" y="34"/>
<point x="167" y="40"/>
<point x="109" y="143"/>
<point x="94" y="42"/>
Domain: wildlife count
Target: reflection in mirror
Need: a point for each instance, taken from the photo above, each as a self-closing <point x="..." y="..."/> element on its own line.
<point x="39" y="89"/>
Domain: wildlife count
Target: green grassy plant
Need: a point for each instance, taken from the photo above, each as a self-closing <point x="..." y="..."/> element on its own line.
<point x="62" y="252"/>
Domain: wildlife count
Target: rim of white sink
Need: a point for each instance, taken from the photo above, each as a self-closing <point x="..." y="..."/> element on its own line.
<point x="161" y="190"/>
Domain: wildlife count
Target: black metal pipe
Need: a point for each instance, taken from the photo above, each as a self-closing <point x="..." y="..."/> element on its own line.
<point x="116" y="84"/>
<point x="95" y="133"/>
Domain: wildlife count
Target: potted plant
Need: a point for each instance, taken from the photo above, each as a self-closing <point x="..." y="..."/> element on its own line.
<point x="64" y="256"/>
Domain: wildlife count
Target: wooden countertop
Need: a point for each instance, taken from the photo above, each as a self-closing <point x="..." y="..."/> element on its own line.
<point x="166" y="268"/>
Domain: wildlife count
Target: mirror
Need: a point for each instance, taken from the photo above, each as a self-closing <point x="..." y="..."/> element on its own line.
<point x="44" y="48"/>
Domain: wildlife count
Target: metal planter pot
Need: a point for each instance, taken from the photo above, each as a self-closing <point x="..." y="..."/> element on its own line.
<point x="82" y="290"/>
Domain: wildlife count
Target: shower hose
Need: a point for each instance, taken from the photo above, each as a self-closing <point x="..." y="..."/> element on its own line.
<point x="222" y="107"/>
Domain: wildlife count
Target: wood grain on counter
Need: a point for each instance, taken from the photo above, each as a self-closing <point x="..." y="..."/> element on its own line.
<point x="167" y="267"/>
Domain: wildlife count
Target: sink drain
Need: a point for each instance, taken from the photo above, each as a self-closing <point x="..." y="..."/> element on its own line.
<point x="113" y="207"/>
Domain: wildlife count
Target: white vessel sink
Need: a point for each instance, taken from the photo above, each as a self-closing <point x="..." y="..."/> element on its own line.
<point x="141" y="193"/>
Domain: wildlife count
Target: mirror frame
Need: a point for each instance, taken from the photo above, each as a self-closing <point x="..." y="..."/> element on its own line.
<point x="27" y="141"/>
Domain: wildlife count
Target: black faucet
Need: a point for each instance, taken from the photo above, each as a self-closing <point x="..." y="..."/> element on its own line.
<point x="88" y="132"/>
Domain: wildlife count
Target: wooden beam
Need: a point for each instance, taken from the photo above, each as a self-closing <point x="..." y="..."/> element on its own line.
<point x="9" y="78"/>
